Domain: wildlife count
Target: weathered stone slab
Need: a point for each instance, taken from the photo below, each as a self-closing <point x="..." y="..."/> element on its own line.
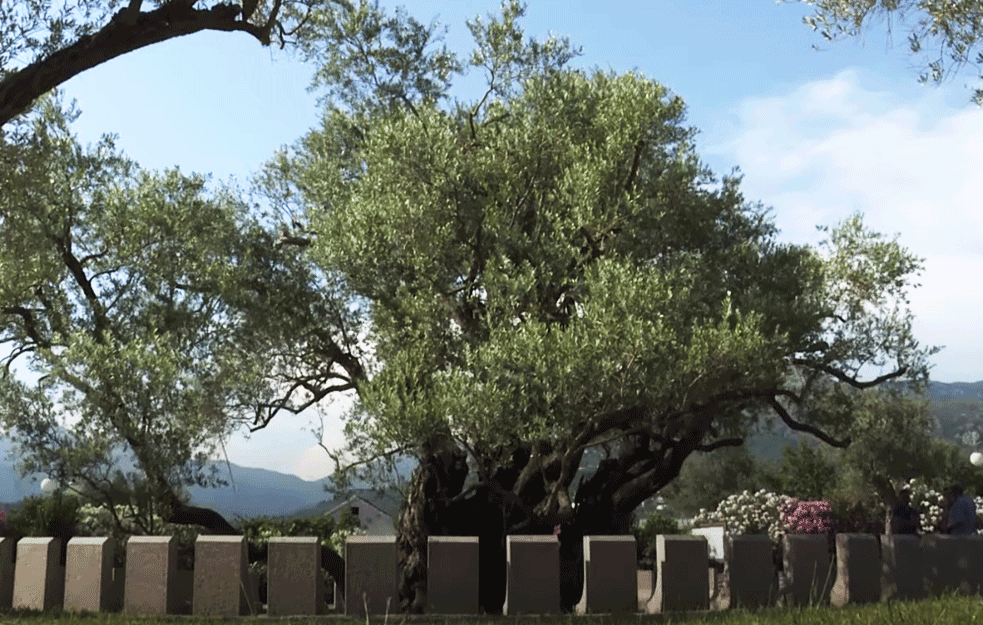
<point x="902" y="574"/>
<point x="370" y="575"/>
<point x="89" y="574"/>
<point x="151" y="576"/>
<point x="533" y="575"/>
<point x="221" y="576"/>
<point x="117" y="589"/>
<point x="939" y="564"/>
<point x="858" y="569"/>
<point x="293" y="577"/>
<point x="452" y="575"/>
<point x="753" y="583"/>
<point x="682" y="580"/>
<point x="7" y="566"/>
<point x="610" y="575"/>
<point x="184" y="591"/>
<point x="645" y="589"/>
<point x="808" y="571"/>
<point x="716" y="540"/>
<point x="969" y="563"/>
<point x="39" y="578"/>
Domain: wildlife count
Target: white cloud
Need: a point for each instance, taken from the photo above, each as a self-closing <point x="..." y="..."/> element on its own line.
<point x="312" y="464"/>
<point x="828" y="148"/>
<point x="288" y="444"/>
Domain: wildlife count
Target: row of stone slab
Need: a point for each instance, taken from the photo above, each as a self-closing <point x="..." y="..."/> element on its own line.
<point x="866" y="569"/>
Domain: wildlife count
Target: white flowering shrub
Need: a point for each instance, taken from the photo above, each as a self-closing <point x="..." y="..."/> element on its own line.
<point x="930" y="504"/>
<point x="748" y="513"/>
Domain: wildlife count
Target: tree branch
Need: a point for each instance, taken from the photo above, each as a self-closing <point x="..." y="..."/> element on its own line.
<point x="852" y="381"/>
<point x="802" y="427"/>
<point x="723" y="442"/>
<point x="30" y="324"/>
<point x="630" y="183"/>
<point x="19" y="89"/>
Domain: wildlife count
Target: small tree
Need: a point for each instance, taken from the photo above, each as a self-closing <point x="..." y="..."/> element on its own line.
<point x="142" y="302"/>
<point x="807" y="471"/>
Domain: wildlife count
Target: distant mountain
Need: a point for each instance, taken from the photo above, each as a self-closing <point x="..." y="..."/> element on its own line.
<point x="251" y="491"/>
<point x="956" y="391"/>
<point x="258" y="492"/>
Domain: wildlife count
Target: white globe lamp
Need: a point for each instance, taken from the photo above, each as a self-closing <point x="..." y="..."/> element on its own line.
<point x="48" y="485"/>
<point x="976" y="458"/>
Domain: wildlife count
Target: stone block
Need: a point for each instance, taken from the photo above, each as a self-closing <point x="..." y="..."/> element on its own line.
<point x="89" y="574"/>
<point x="7" y="565"/>
<point x="969" y="563"/>
<point x="370" y="575"/>
<point x="221" y="576"/>
<point x="610" y="575"/>
<point x="858" y="569"/>
<point x="808" y="570"/>
<point x="753" y="583"/>
<point x="939" y="561"/>
<point x="184" y="591"/>
<point x="645" y="589"/>
<point x="39" y="578"/>
<point x="682" y="580"/>
<point x="293" y="577"/>
<point x="532" y="575"/>
<point x="151" y="576"/>
<point x="716" y="540"/>
<point x="118" y="588"/>
<point x="452" y="575"/>
<point x="255" y="605"/>
<point x="902" y="574"/>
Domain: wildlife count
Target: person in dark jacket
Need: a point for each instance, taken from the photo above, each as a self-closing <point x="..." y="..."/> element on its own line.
<point x="961" y="519"/>
<point x="905" y="519"/>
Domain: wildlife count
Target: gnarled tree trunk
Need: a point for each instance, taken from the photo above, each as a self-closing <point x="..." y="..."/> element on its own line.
<point x="439" y="477"/>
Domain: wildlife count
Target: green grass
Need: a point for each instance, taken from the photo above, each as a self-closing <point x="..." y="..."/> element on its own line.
<point x="954" y="610"/>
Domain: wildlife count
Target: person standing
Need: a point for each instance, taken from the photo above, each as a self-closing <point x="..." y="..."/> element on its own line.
<point x="961" y="519"/>
<point x="905" y="519"/>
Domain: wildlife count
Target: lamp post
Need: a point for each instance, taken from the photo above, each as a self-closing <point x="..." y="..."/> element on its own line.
<point x="48" y="486"/>
<point x="976" y="458"/>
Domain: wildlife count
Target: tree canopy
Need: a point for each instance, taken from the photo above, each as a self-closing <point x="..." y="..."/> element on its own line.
<point x="551" y="269"/>
<point x="138" y="306"/>
<point x="955" y="29"/>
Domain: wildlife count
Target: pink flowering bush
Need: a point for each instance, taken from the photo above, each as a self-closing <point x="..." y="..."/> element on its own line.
<point x="806" y="517"/>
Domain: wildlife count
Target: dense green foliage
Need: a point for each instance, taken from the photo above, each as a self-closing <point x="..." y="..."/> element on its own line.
<point x="58" y="516"/>
<point x="707" y="479"/>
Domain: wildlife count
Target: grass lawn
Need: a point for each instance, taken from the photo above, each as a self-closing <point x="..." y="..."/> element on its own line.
<point x="954" y="610"/>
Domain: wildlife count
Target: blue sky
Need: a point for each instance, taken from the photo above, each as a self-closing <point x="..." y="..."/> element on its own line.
<point x="817" y="134"/>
